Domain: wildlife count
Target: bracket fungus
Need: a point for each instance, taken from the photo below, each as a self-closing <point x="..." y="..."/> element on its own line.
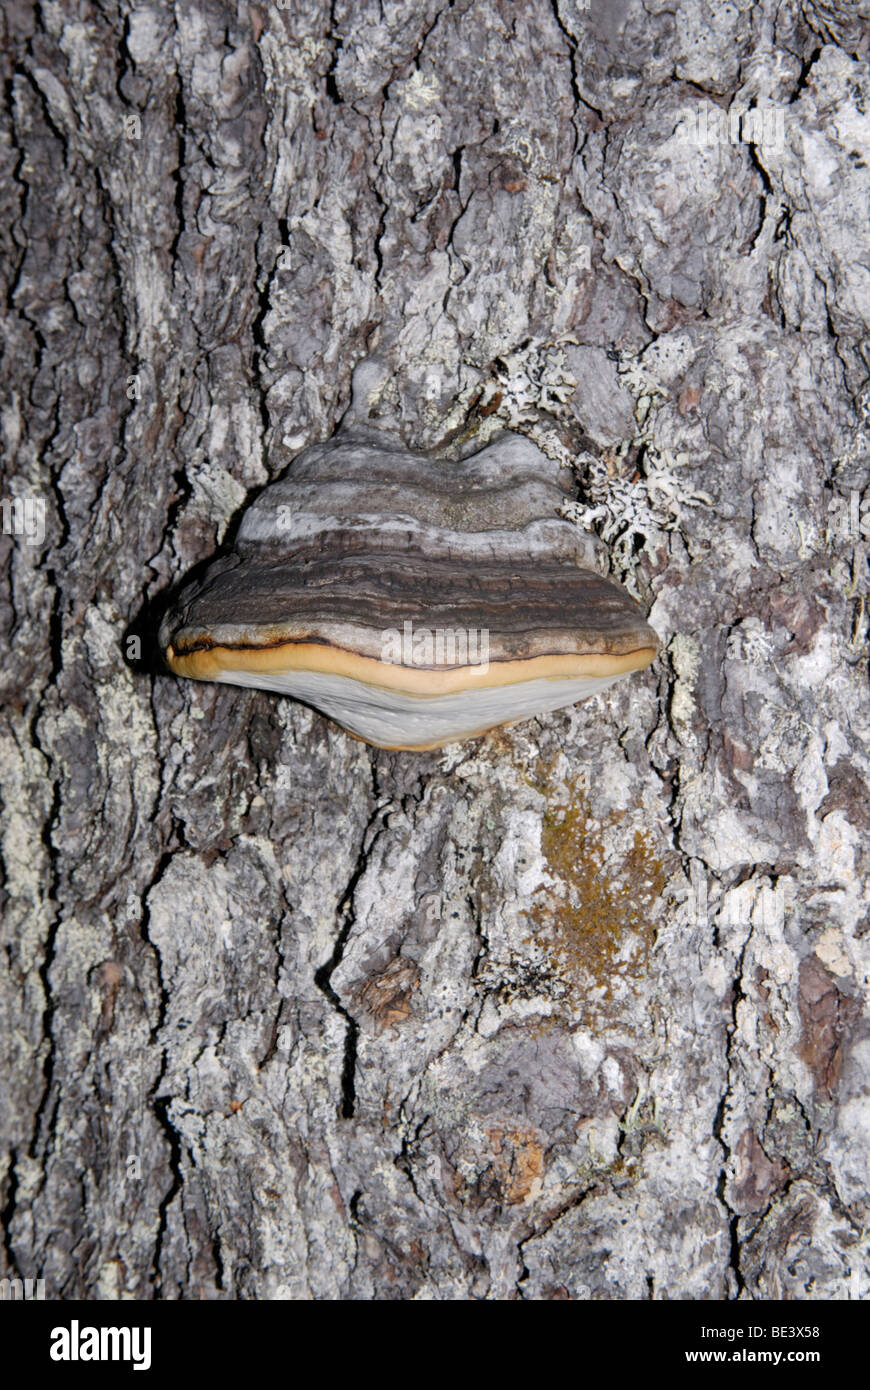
<point x="413" y="600"/>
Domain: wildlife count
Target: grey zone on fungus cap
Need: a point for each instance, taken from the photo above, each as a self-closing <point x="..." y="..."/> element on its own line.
<point x="414" y="601"/>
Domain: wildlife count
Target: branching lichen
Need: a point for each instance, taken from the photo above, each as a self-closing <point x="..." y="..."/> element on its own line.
<point x="631" y="496"/>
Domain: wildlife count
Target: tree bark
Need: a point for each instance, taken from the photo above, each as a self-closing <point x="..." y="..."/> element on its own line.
<point x="576" y="1010"/>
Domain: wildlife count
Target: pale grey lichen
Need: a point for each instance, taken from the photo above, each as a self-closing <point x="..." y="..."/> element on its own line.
<point x="531" y="389"/>
<point x="632" y="513"/>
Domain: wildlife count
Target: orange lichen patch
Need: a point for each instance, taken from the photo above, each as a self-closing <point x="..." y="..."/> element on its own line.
<point x="596" y="918"/>
<point x="517" y="1160"/>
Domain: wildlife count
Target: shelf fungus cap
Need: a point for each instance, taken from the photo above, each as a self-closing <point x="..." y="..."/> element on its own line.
<point x="414" y="601"/>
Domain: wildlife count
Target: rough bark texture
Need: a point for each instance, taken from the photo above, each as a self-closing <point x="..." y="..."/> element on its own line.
<point x="574" y="1011"/>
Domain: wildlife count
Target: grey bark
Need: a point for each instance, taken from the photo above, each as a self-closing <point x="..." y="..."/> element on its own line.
<point x="577" y="1010"/>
